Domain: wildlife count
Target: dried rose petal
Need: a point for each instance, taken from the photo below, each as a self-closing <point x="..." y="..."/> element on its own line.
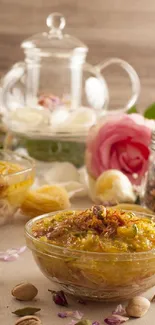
<point x="73" y="322"/>
<point x="111" y="321"/>
<point x="66" y="314"/>
<point x="122" y="319"/>
<point x="76" y="314"/>
<point x="49" y="101"/>
<point x="120" y="310"/>
<point x="21" y="250"/>
<point x="95" y="323"/>
<point x="2" y="255"/>
<point x="59" y="298"/>
<point x="11" y="254"/>
<point x="62" y="315"/>
<point x="10" y="258"/>
<point x="116" y="320"/>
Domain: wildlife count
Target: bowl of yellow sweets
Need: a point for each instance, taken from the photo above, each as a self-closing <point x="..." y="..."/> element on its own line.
<point x="16" y="177"/>
<point x="100" y="253"/>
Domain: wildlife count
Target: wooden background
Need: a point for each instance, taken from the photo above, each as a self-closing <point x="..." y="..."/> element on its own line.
<point x="121" y="28"/>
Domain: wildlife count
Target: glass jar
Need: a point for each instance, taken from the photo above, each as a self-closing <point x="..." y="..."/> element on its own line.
<point x="149" y="186"/>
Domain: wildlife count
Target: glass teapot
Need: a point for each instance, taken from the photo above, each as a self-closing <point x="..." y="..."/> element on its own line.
<point x="55" y="66"/>
<point x="54" y="93"/>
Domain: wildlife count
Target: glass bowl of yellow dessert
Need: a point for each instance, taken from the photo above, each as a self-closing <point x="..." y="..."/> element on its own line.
<point x="99" y="253"/>
<point x="16" y="177"/>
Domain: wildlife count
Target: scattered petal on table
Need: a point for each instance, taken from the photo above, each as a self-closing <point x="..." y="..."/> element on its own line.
<point x="11" y="254"/>
<point x="116" y="320"/>
<point x="62" y="315"/>
<point x="112" y="321"/>
<point x="121" y="318"/>
<point x="120" y="310"/>
<point x="95" y="323"/>
<point x="76" y="314"/>
<point x="72" y="322"/>
<point x="10" y="258"/>
<point x="21" y="250"/>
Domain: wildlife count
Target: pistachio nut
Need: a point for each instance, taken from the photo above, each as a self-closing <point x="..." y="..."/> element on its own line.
<point x="28" y="320"/>
<point x="24" y="291"/>
<point x="137" y="307"/>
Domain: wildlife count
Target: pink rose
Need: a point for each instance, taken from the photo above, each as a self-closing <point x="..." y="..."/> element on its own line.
<point x="120" y="142"/>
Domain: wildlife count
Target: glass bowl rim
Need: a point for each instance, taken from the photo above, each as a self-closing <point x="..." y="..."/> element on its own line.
<point x="70" y="136"/>
<point x="63" y="249"/>
<point x="14" y="154"/>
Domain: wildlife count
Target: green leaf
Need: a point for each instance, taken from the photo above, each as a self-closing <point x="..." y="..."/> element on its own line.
<point x="150" y="112"/>
<point x="26" y="311"/>
<point x="132" y="110"/>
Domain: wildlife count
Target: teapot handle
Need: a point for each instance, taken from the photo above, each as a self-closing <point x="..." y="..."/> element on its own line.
<point x="135" y="82"/>
<point x="9" y="80"/>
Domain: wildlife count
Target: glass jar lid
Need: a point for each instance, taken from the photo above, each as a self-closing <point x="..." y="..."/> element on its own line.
<point x="55" y="41"/>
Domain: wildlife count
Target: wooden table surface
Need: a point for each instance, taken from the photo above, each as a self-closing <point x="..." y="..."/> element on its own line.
<point x="109" y="27"/>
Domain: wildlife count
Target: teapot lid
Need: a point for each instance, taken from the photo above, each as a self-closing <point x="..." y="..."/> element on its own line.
<point x="55" y="41"/>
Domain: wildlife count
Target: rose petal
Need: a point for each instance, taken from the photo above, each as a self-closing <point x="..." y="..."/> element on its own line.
<point x="139" y="119"/>
<point x="121" y="318"/>
<point x="21" y="250"/>
<point x="11" y="251"/>
<point x="111" y="321"/>
<point x="105" y="149"/>
<point x="62" y="315"/>
<point x="116" y="320"/>
<point x="11" y="254"/>
<point x="114" y="161"/>
<point x="11" y="258"/>
<point x="73" y="322"/>
<point x="2" y="258"/>
<point x="120" y="310"/>
<point x="77" y="314"/>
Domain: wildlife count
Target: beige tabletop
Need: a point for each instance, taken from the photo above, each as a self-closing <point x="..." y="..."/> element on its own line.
<point x="25" y="269"/>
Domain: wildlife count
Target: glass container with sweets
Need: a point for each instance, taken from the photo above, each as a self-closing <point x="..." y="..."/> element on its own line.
<point x="54" y="97"/>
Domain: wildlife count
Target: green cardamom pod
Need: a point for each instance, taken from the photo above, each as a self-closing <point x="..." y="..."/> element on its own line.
<point x="26" y="311"/>
<point x="84" y="322"/>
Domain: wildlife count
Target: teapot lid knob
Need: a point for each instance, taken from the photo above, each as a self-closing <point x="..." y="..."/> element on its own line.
<point x="56" y="22"/>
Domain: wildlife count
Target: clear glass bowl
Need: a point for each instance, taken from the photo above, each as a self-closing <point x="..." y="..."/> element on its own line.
<point x="14" y="185"/>
<point x="95" y="276"/>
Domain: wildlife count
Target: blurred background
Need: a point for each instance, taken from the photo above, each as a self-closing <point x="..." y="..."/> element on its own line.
<point x="109" y="27"/>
